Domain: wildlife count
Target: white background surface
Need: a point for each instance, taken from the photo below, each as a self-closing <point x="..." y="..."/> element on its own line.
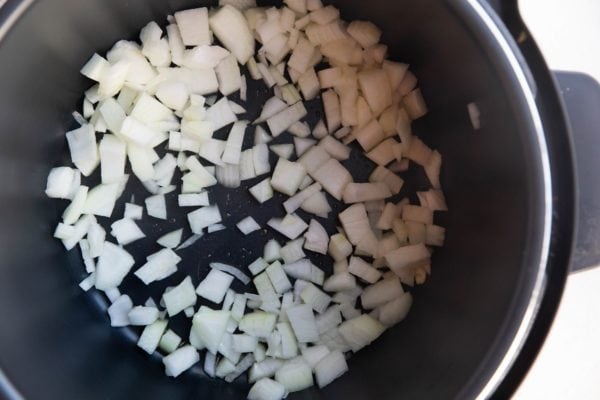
<point x="568" y="367"/>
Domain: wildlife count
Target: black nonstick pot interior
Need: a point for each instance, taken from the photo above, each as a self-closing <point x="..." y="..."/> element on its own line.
<point x="55" y="340"/>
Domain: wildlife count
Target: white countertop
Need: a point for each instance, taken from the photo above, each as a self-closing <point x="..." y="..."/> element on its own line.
<point x="568" y="367"/>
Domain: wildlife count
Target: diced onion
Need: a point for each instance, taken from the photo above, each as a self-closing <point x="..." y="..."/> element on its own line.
<point x="231" y="270"/>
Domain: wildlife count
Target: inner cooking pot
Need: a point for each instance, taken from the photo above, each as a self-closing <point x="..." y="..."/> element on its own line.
<point x="467" y="322"/>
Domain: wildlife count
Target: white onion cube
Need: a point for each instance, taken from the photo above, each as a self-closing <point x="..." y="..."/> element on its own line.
<point x="214" y="286"/>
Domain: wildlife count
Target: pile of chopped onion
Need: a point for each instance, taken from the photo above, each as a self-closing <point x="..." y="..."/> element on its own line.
<point x="294" y="326"/>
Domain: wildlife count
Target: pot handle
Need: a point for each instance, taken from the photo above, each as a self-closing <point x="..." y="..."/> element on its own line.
<point x="577" y="103"/>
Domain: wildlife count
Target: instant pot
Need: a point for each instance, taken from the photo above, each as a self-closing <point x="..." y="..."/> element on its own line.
<point x="477" y="324"/>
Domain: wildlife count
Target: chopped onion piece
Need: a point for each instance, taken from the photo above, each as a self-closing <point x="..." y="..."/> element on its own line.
<point x="228" y="175"/>
<point x="126" y="231"/>
<point x="244" y="343"/>
<point x="266" y="291"/>
<point x="113" y="265"/>
<point x="95" y="236"/>
<point x="361" y="331"/>
<point x="316" y="298"/>
<point x="88" y="261"/>
<point x="317" y="239"/>
<point x="262" y="191"/>
<point x="272" y="107"/>
<point x="236" y="108"/>
<point x="313" y="355"/>
<point x="383" y="153"/>
<point x="95" y="67"/>
<point x="159" y="266"/>
<point x="180" y="297"/>
<point x="289" y="345"/>
<point x="156" y="206"/>
<point x="396" y="310"/>
<point x="287" y="176"/>
<point x="246" y="166"/>
<point x="370" y="135"/>
<point x="283" y="150"/>
<point x="272" y="251"/>
<point x="214" y="286"/>
<point x="362" y="192"/>
<point x="363" y="270"/>
<point x="419" y="152"/>
<point x="393" y="181"/>
<point x="302" y="145"/>
<point x="348" y="311"/>
<point x="292" y="251"/>
<point x="73" y="212"/>
<point x="331" y="367"/>
<point x="417" y="214"/>
<point x="331" y="105"/>
<point x="333" y="177"/>
<point x="119" y="311"/>
<point x="231" y="28"/>
<point x="169" y="342"/>
<point x="380" y="293"/>
<point x="474" y="115"/>
<point x="59" y="183"/>
<point x="291" y="96"/>
<point x="88" y="283"/>
<point x="224" y="367"/>
<point x="309" y="84"/>
<point x="295" y="376"/>
<point x="334" y="148"/>
<point x="220" y="114"/>
<point x="142" y="316"/>
<point x="193" y="199"/>
<point x="264" y="369"/>
<point x="211" y="325"/>
<point x="151" y="335"/>
<point x="258" y="324"/>
<point x="406" y="256"/>
<point x="240" y="368"/>
<point x="253" y="69"/>
<point x="261" y="136"/>
<point x="258" y="265"/>
<point x="226" y="349"/>
<point x="113" y="78"/>
<point x="77" y="231"/>
<point x="303" y="323"/>
<point x="340" y="282"/>
<point x="278" y="278"/>
<point x="290" y="226"/>
<point x="414" y="104"/>
<point x="193" y="26"/>
<point x="203" y="217"/>
<point x="317" y="204"/>
<point x="294" y="202"/>
<point x="281" y="121"/>
<point x="433" y="199"/>
<point x="83" y="148"/>
<point x="233" y="148"/>
<point x="231" y="270"/>
<point x="180" y="360"/>
<point x="301" y="269"/>
<point x="365" y="33"/>
<point x="434" y="235"/>
<point x="260" y="153"/>
<point x="432" y="169"/>
<point x="189" y="241"/>
<point x="229" y="76"/>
